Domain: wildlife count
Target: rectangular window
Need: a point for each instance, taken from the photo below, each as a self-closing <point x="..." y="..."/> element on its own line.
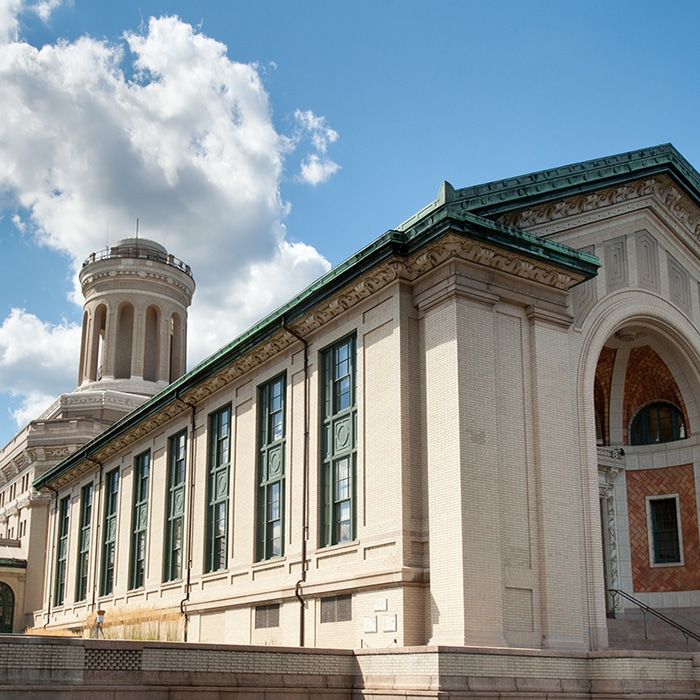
<point x="110" y="532"/>
<point x="81" y="582"/>
<point x="218" y="489"/>
<point x="139" y="528"/>
<point x="267" y="616"/>
<point x="336" y="608"/>
<point x="174" y="526"/>
<point x="271" y="443"/>
<point x="61" y="550"/>
<point x="664" y="527"/>
<point x="339" y="442"/>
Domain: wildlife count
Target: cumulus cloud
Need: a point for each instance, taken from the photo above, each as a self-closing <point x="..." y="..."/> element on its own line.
<point x="37" y="361"/>
<point x="315" y="167"/>
<point x="166" y="128"/>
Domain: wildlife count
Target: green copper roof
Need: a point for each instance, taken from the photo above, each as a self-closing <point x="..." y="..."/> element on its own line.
<point x="547" y="185"/>
<point x="443" y="216"/>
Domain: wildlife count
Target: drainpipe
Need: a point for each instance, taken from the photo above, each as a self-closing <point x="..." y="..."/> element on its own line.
<point x="97" y="535"/>
<point x="191" y="453"/>
<point x="51" y="559"/>
<point x="304" y="486"/>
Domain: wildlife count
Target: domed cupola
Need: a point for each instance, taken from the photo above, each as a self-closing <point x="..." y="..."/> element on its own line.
<point x="134" y="332"/>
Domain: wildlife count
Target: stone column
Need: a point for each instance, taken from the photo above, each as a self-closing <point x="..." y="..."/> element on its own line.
<point x="466" y="579"/>
<point x="558" y="481"/>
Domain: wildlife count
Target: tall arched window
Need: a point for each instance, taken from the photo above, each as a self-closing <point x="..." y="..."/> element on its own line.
<point x="151" y="354"/>
<point x="7" y="608"/>
<point x="176" y="368"/>
<point x="657" y="422"/>
<point x="125" y="334"/>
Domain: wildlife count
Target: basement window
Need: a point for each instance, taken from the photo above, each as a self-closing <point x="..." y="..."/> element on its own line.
<point x="267" y="616"/>
<point x="336" y="608"/>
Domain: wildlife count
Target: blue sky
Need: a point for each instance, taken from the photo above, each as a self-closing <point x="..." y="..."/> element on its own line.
<point x="265" y="141"/>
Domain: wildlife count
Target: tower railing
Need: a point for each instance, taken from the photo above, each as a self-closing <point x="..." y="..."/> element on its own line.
<point x="139" y="253"/>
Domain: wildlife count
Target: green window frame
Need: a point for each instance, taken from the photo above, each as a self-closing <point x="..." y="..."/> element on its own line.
<point x="656" y="422"/>
<point x="339" y="442"/>
<point x="109" y="537"/>
<point x="664" y="523"/>
<point x="271" y="468"/>
<point x="139" y="525"/>
<point x="175" y="517"/>
<point x="218" y="489"/>
<point x="61" y="550"/>
<point x="81" y="582"/>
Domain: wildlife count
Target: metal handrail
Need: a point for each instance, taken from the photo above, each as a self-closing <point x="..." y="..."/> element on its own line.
<point x="688" y="634"/>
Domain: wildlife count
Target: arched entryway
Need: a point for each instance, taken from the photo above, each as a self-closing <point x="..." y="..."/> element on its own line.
<point x="7" y="608"/>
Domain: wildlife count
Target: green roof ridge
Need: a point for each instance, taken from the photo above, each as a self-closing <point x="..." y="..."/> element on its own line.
<point x="581" y="176"/>
<point x="555" y="182"/>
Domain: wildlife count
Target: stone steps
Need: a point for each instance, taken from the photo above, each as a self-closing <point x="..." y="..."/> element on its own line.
<point x="626" y="630"/>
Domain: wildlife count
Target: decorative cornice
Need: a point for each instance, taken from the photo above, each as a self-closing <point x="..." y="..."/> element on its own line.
<point x="454" y="246"/>
<point x="30" y="456"/>
<point x="661" y="189"/>
<point x="95" y="282"/>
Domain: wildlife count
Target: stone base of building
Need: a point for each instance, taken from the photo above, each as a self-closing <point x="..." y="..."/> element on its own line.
<point x="62" y="668"/>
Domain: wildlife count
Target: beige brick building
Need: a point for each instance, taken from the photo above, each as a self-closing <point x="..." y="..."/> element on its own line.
<point x="464" y="435"/>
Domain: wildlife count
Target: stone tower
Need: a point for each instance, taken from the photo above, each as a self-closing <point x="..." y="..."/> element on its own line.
<point x="134" y="332"/>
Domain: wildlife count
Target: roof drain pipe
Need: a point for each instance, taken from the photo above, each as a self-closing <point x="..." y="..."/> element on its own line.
<point x="304" y="485"/>
<point x="98" y="510"/>
<point x="190" y="505"/>
<point x="51" y="559"/>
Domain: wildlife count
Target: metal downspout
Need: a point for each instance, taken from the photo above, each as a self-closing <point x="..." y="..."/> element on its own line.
<point x="49" y="573"/>
<point x="191" y="453"/>
<point x="305" y="485"/>
<point x="98" y="510"/>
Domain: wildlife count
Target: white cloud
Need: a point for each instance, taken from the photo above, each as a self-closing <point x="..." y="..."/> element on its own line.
<point x="37" y="361"/>
<point x="167" y="129"/>
<point x="315" y="170"/>
<point x="315" y="167"/>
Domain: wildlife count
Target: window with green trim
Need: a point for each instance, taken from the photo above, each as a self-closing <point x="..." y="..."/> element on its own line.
<point x="81" y="582"/>
<point x="61" y="550"/>
<point x="665" y="530"/>
<point x="339" y="442"/>
<point x="657" y="422"/>
<point x="271" y="456"/>
<point x="218" y="489"/>
<point x="139" y="526"/>
<point x="174" y="526"/>
<point x="109" y="537"/>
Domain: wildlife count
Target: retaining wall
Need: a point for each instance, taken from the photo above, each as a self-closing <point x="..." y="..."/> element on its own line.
<point x="62" y="668"/>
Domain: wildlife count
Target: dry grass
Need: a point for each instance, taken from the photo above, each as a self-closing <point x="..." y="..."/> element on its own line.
<point x="53" y="632"/>
<point x="140" y="622"/>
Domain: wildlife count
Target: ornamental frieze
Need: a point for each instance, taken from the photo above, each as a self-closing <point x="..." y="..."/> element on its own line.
<point x="661" y="189"/>
<point x="453" y="246"/>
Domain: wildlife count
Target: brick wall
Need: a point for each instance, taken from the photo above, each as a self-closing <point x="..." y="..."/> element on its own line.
<point x="648" y="379"/>
<point x="652" y="482"/>
<point x="603" y="381"/>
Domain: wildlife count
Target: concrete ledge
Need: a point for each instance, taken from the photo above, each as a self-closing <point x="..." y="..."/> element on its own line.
<point x="62" y="668"/>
